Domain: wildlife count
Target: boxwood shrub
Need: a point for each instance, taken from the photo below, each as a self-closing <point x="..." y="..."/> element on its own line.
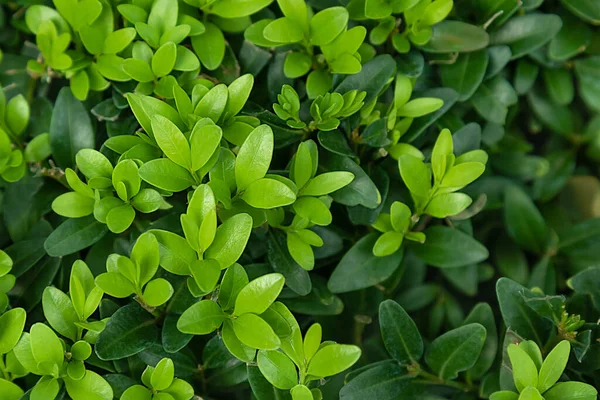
<point x="299" y="199"/>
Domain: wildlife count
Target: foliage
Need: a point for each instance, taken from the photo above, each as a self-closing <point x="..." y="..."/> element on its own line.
<point x="299" y="199"/>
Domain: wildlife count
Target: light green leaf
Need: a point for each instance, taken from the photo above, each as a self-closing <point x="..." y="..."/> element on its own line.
<point x="259" y="294"/>
<point x="553" y="366"/>
<point x="171" y="141"/>
<point x="268" y="193"/>
<point x="59" y="312"/>
<point x="278" y="369"/>
<point x="201" y="318"/>
<point x="525" y="372"/>
<point x="254" y="332"/>
<point x="254" y="157"/>
<point x="326" y="25"/>
<point x="333" y="359"/>
<point x="12" y="323"/>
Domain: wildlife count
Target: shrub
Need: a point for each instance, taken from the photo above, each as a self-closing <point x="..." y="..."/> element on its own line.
<point x="299" y="199"/>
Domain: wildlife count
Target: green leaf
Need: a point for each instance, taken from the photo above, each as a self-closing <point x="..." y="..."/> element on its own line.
<point x="530" y="393"/>
<point x="466" y="74"/>
<point x="359" y="268"/>
<point x="387" y="380"/>
<point x="318" y="83"/>
<point x="297" y="64"/>
<point x="201" y="318"/>
<point x="415" y="174"/>
<point x="586" y="10"/>
<point x="448" y="204"/>
<point x="525" y="372"/>
<point x="73" y="205"/>
<point x="59" y="312"/>
<point x="314" y="210"/>
<point x="213" y="103"/>
<point x="70" y="129"/>
<point x="74" y="235"/>
<point x="296" y="277"/>
<point x="115" y="284"/>
<point x="206" y="274"/>
<point x="163" y="374"/>
<point x="163" y="60"/>
<point x="126" y="176"/>
<point x="17" y="114"/>
<point x="210" y="46"/>
<point x="137" y="392"/>
<point x="517" y="315"/>
<point x="268" y="193"/>
<point x="230" y="240"/>
<point x="237" y="9"/>
<point x="524" y="222"/>
<point x="45" y="345"/>
<point x="462" y="174"/>
<point x="10" y="390"/>
<point x="175" y="253"/>
<point x="166" y="175"/>
<point x="233" y="281"/>
<point x="253" y="331"/>
<point x="129" y="331"/>
<point x="234" y="345"/>
<point x="93" y="164"/>
<point x="326" y="25"/>
<point x="118" y="40"/>
<point x="455" y="351"/>
<point x="283" y="30"/>
<point x="91" y="386"/>
<point x="372" y="78"/>
<point x="254" y="157"/>
<point x="571" y="390"/>
<point x="553" y="366"/>
<point x="456" y="36"/>
<point x="449" y="248"/>
<point x="333" y="359"/>
<point x="138" y="69"/>
<point x="120" y="218"/>
<point x="259" y="294"/>
<point x="144" y="107"/>
<point x="239" y="91"/>
<point x="327" y="183"/>
<point x="312" y="340"/>
<point x="388" y="243"/>
<point x="482" y="313"/>
<point x="278" y="369"/>
<point x="526" y="33"/>
<point x="12" y="323"/>
<point x="399" y="332"/>
<point x="301" y="392"/>
<point x="171" y="141"/>
<point x="361" y="191"/>
<point x="157" y="292"/>
<point x="504" y="395"/>
<point x="419" y="107"/>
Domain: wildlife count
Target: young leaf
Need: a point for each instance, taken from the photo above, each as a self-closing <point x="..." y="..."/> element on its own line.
<point x="553" y="366"/>
<point x="201" y="318"/>
<point x="254" y="157"/>
<point x="259" y="294"/>
<point x="333" y="359"/>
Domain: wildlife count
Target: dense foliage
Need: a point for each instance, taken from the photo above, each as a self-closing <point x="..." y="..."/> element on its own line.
<point x="330" y="199"/>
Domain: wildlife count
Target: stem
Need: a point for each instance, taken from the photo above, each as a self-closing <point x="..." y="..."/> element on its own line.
<point x="3" y="370"/>
<point x="436" y="380"/>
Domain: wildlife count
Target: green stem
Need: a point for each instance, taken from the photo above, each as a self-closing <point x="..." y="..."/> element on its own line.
<point x="436" y="380"/>
<point x="5" y="373"/>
